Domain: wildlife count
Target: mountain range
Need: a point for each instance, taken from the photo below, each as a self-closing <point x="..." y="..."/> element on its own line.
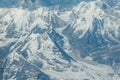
<point x="59" y="40"/>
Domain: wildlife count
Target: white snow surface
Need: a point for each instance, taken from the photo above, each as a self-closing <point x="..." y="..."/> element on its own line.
<point x="41" y="49"/>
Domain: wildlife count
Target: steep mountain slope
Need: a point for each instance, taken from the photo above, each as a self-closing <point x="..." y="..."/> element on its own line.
<point x="51" y="43"/>
<point x="94" y="32"/>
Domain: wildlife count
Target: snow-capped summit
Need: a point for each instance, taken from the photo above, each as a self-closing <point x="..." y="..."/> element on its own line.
<point x="59" y="40"/>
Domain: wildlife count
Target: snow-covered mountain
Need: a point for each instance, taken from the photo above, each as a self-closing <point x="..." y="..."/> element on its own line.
<point x="59" y="40"/>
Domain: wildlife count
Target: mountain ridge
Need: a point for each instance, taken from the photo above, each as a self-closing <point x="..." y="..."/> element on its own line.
<point x="44" y="43"/>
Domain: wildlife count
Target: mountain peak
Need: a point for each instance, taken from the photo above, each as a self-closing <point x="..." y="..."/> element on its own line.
<point x="42" y="39"/>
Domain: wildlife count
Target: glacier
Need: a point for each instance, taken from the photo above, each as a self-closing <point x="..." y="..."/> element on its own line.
<point x="59" y="40"/>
